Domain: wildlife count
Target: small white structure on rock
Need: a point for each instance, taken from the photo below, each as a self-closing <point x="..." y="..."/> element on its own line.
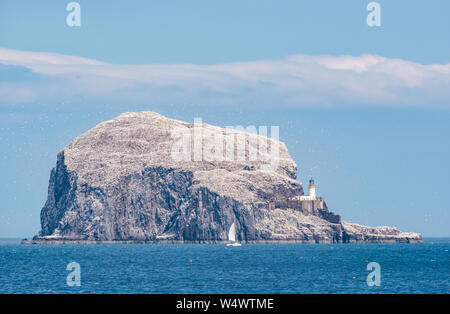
<point x="312" y="192"/>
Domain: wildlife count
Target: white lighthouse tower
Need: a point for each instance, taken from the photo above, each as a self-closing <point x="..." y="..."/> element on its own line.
<point x="312" y="189"/>
<point x="312" y="192"/>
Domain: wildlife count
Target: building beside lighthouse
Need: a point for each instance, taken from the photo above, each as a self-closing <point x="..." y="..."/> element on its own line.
<point x="311" y="193"/>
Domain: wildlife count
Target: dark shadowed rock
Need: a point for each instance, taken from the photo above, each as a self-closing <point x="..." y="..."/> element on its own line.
<point x="120" y="181"/>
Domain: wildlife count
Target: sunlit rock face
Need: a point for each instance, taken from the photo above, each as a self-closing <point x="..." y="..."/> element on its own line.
<point x="142" y="177"/>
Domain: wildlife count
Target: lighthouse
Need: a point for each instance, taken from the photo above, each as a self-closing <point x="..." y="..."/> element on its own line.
<point x="312" y="189"/>
<point x="312" y="192"/>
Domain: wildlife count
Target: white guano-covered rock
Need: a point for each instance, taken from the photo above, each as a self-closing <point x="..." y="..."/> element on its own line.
<point x="139" y="178"/>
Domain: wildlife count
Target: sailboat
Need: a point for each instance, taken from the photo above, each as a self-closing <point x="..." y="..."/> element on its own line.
<point x="232" y="236"/>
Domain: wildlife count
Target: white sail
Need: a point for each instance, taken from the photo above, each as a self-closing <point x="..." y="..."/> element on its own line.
<point x="232" y="233"/>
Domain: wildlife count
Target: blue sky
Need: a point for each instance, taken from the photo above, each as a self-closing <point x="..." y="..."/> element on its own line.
<point x="210" y="32"/>
<point x="364" y="110"/>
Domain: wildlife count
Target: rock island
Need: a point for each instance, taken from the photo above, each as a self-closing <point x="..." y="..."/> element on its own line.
<point x="141" y="178"/>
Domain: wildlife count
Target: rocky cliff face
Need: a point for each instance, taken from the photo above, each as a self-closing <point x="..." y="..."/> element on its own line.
<point x="134" y="178"/>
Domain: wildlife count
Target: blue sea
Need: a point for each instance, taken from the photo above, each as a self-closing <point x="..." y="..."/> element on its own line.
<point x="256" y="268"/>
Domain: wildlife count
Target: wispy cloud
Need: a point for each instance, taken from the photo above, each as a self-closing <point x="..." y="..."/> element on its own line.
<point x="298" y="80"/>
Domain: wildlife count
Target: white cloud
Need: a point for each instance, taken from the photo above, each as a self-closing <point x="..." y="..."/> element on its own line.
<point x="35" y="59"/>
<point x="298" y="80"/>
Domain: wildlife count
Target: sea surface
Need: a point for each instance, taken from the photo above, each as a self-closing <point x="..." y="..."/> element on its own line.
<point x="255" y="268"/>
